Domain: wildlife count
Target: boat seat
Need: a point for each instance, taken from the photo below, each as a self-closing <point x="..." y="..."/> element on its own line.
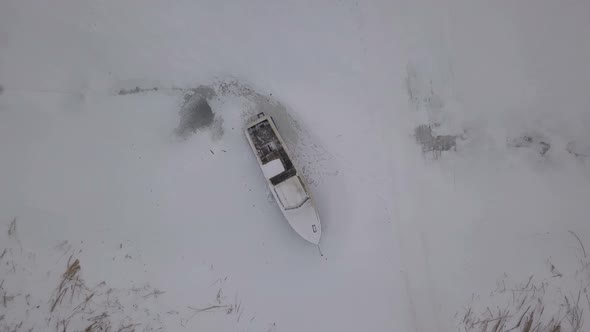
<point x="291" y="193"/>
<point x="272" y="168"/>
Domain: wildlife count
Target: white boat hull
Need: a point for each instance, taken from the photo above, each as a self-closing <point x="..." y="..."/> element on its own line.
<point x="288" y="188"/>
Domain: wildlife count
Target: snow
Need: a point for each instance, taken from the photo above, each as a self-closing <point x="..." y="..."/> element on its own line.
<point x="291" y="192"/>
<point x="272" y="168"/>
<point x="444" y="143"/>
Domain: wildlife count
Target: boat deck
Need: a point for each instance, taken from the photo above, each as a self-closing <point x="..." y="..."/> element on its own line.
<point x="269" y="148"/>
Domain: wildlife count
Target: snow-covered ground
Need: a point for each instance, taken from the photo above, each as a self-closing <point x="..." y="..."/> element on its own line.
<point x="445" y="144"/>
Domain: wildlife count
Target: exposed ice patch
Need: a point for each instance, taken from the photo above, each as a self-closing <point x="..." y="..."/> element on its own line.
<point x="421" y="92"/>
<point x="436" y="144"/>
<point x="577" y="149"/>
<point x="535" y="142"/>
<point x="196" y="113"/>
<point x="137" y="89"/>
<point x="202" y="91"/>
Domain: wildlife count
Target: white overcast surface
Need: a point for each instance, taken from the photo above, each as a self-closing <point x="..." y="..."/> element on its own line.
<point x="446" y="145"/>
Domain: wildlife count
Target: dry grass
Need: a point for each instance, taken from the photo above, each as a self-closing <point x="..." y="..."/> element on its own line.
<point x="69" y="282"/>
<point x="536" y="305"/>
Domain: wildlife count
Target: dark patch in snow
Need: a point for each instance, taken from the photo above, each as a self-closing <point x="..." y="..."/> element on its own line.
<point x="531" y="141"/>
<point x="217" y="128"/>
<point x="137" y="89"/>
<point x="196" y="113"/>
<point x="420" y="91"/>
<point x="12" y="228"/>
<point x="310" y="158"/>
<point x="544" y="147"/>
<point x="578" y="150"/>
<point x="288" y="127"/>
<point x="431" y="143"/>
<point x="202" y="91"/>
<point x="1" y="89"/>
<point x="554" y="271"/>
<point x="234" y="87"/>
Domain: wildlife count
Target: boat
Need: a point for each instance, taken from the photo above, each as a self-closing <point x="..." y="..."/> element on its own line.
<point x="288" y="188"/>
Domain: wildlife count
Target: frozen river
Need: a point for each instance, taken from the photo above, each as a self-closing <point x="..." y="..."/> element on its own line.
<point x="445" y="143"/>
